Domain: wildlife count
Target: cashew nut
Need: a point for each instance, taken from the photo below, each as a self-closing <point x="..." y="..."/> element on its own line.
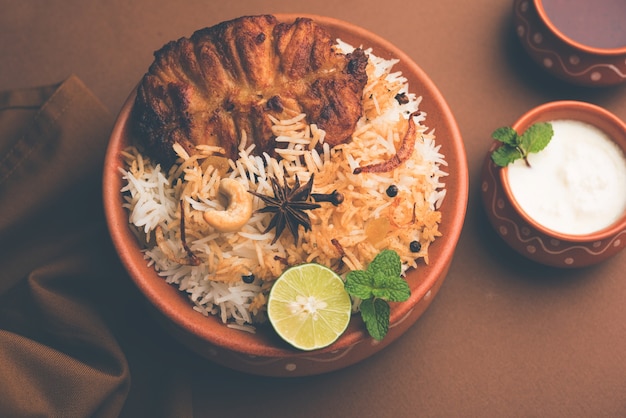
<point x="238" y="210"/>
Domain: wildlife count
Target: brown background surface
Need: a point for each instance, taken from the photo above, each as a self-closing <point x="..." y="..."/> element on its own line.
<point x="504" y="336"/>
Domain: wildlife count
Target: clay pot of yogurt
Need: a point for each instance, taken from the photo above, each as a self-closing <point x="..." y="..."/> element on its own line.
<point x="567" y="208"/>
<point x="580" y="41"/>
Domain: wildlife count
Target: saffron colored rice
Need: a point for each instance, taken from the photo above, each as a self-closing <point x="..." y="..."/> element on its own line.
<point x="367" y="221"/>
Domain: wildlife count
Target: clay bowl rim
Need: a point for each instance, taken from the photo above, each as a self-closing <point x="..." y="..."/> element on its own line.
<point x="210" y="330"/>
<point x="576" y="110"/>
<point x="588" y="49"/>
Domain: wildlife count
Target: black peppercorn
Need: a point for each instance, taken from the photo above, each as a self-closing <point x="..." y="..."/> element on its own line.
<point x="392" y="191"/>
<point x="415" y="246"/>
<point x="249" y="278"/>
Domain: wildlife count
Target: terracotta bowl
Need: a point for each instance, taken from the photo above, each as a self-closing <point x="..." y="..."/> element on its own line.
<point x="263" y="353"/>
<point x="543" y="27"/>
<point x="522" y="232"/>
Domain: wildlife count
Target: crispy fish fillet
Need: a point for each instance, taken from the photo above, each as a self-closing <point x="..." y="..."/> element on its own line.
<point x="231" y="77"/>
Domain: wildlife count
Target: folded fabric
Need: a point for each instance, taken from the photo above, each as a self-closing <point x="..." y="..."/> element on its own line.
<point x="58" y="354"/>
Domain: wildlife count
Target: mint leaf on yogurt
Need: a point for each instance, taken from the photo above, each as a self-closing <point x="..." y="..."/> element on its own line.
<point x="515" y="146"/>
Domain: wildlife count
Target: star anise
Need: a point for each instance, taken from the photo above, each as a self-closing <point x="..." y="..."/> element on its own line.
<point x="288" y="206"/>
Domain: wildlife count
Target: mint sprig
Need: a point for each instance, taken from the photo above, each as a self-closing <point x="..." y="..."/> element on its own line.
<point x="515" y="146"/>
<point x="379" y="284"/>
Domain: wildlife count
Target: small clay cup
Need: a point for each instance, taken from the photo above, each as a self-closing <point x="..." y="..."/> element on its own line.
<point x="563" y="56"/>
<point x="523" y="233"/>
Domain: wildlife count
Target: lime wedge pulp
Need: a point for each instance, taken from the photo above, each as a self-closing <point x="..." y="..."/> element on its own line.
<point x="309" y="307"/>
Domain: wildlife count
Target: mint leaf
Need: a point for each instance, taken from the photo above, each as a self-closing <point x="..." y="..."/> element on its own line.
<point x="537" y="136"/>
<point x="390" y="288"/>
<point x="514" y="147"/>
<point x="397" y="290"/>
<point x="504" y="155"/>
<point x="387" y="263"/>
<point x="506" y="135"/>
<point x="379" y="278"/>
<point x="375" y="314"/>
<point x="359" y="283"/>
<point x="379" y="284"/>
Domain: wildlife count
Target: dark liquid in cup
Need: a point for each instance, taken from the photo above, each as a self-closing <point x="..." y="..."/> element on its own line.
<point x="595" y="23"/>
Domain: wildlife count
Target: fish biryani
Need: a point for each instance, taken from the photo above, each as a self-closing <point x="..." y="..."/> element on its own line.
<point x="222" y="222"/>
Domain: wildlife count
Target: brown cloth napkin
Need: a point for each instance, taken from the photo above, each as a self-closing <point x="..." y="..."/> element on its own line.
<point x="58" y="353"/>
<point x="73" y="327"/>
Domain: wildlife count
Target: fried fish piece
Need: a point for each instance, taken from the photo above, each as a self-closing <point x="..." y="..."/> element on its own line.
<point x="229" y="78"/>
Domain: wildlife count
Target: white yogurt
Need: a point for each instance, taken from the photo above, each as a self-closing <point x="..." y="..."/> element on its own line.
<point x="577" y="184"/>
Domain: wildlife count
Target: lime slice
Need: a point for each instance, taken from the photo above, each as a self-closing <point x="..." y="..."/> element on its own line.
<point x="309" y="307"/>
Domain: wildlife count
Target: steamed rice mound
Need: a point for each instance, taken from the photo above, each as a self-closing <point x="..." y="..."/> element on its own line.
<point x="344" y="237"/>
